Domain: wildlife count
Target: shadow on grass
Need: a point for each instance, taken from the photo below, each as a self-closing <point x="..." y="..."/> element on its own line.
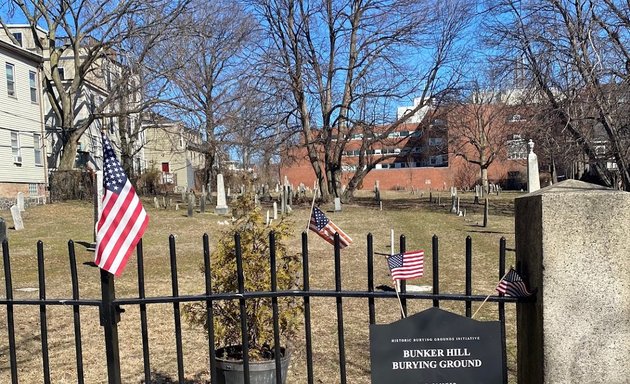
<point x="163" y="378"/>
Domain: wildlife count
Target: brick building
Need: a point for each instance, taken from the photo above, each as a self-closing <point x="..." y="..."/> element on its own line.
<point x="422" y="156"/>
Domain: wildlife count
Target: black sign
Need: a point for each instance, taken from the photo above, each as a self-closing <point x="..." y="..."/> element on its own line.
<point x="436" y="347"/>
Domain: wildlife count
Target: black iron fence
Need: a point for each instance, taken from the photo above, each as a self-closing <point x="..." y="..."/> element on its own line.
<point x="110" y="307"/>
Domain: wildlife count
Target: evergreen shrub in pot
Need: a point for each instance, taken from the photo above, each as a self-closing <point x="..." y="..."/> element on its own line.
<point x="255" y="250"/>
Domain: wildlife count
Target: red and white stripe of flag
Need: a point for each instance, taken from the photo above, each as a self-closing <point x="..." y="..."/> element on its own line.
<point x="119" y="229"/>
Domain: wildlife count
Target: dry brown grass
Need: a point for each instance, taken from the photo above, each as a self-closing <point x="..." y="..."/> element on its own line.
<point x="407" y="214"/>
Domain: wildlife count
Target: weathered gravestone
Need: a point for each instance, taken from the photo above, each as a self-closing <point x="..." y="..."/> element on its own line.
<point x="156" y="203"/>
<point x="20" y="201"/>
<point x="275" y="210"/>
<point x="436" y="346"/>
<point x="18" y="224"/>
<point x="337" y="204"/>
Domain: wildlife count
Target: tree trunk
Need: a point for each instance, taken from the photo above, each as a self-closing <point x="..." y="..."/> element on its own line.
<point x="484" y="179"/>
<point x="69" y="154"/>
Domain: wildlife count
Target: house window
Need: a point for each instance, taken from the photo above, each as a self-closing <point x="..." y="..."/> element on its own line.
<point x="32" y="78"/>
<point x="435" y="141"/>
<point x="10" y="71"/>
<point x="18" y="37"/>
<point x="15" y="146"/>
<point x="32" y="189"/>
<point x="62" y="73"/>
<point x="517" y="148"/>
<point x="37" y="148"/>
<point x="166" y="168"/>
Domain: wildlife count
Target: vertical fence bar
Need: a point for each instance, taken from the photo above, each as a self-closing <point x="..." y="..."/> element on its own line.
<point x="143" y="315"/>
<point x="274" y="306"/>
<point x="113" y="368"/>
<point x="436" y="270"/>
<point x="176" y="313"/>
<point x="209" y="309"/>
<point x="403" y="283"/>
<point x="10" y="322"/>
<point x="502" y="309"/>
<point x="307" y="309"/>
<point x="43" y="323"/>
<point x="468" y="275"/>
<point x="241" y="289"/>
<point x="370" y="271"/>
<point x="342" y="346"/>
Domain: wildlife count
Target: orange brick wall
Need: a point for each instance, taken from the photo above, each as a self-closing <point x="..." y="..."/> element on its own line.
<point x="425" y="178"/>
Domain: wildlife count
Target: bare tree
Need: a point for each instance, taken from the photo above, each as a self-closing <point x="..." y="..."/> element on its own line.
<point x="343" y="62"/>
<point x="576" y="55"/>
<point x="480" y="124"/>
<point x="211" y="53"/>
<point x="86" y="33"/>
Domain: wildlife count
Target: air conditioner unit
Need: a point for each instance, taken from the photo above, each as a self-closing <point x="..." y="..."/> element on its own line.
<point x="17" y="159"/>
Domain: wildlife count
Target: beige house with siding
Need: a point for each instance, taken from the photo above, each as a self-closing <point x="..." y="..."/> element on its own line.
<point x="169" y="149"/>
<point x="22" y="148"/>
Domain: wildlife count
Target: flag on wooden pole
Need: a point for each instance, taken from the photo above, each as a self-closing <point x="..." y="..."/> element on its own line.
<point x="406" y="265"/>
<point x="325" y="228"/>
<point x="123" y="220"/>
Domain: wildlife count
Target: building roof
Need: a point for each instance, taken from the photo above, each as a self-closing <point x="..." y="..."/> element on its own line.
<point x="21" y="52"/>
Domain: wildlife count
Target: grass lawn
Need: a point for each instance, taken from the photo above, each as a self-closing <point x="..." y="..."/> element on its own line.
<point x="407" y="214"/>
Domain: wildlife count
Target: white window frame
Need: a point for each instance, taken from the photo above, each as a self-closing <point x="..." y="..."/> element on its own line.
<point x="37" y="149"/>
<point x="32" y="80"/>
<point x="16" y="149"/>
<point x="11" y="91"/>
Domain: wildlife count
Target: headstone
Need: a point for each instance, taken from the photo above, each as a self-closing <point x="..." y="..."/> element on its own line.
<point x="156" y="203"/>
<point x="572" y="245"/>
<point x="267" y="221"/>
<point x="283" y="200"/>
<point x="221" y="208"/>
<point x="191" y="205"/>
<point x="458" y="211"/>
<point x="18" y="224"/>
<point x="453" y="204"/>
<point x="229" y="193"/>
<point x="430" y="197"/>
<point x="476" y="194"/>
<point x="337" y="204"/>
<point x="3" y="230"/>
<point x="290" y="193"/>
<point x="164" y="201"/>
<point x="20" y="201"/>
<point x="177" y="207"/>
<point x="256" y="202"/>
<point x="485" y="213"/>
<point x="275" y="210"/>
<point x="202" y="203"/>
<point x="533" y="178"/>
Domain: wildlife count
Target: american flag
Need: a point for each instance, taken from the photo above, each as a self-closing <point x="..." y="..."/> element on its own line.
<point x="123" y="219"/>
<point x="513" y="285"/>
<point x="406" y="265"/>
<point x="321" y="225"/>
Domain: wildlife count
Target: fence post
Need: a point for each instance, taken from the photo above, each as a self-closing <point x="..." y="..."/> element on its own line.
<point x="109" y="321"/>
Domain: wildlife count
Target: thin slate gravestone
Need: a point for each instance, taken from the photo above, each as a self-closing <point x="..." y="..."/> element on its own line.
<point x="436" y="346"/>
<point x="221" y="208"/>
<point x="485" y="213"/>
<point x="18" y="224"/>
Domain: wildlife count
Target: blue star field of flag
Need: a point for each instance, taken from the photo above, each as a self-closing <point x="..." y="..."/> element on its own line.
<point x="395" y="261"/>
<point x="319" y="219"/>
<point x="114" y="177"/>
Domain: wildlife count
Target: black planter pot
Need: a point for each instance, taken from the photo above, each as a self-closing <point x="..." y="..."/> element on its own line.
<point x="260" y="372"/>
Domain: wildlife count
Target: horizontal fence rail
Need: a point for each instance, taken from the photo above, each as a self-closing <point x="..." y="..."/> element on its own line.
<point x="110" y="307"/>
